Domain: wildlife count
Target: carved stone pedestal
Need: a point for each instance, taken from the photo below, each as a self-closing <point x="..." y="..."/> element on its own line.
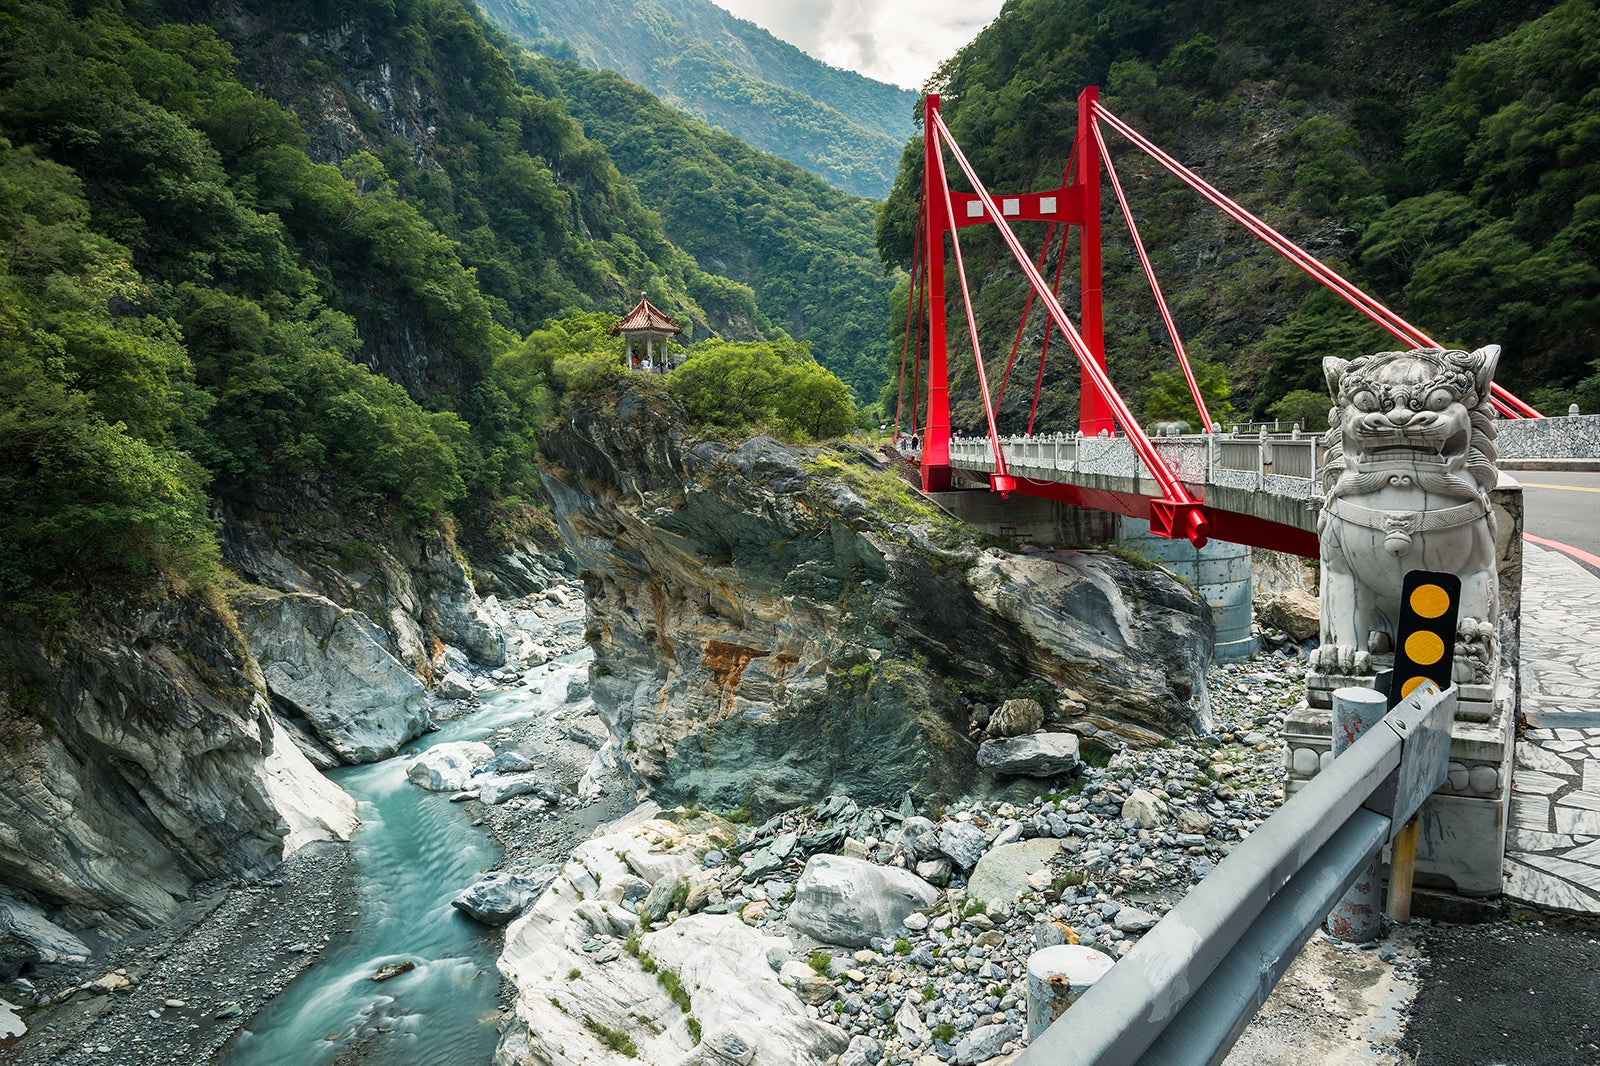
<point x="1462" y="827"/>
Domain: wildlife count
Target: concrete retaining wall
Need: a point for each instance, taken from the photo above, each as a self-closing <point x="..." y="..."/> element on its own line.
<point x="1564" y="442"/>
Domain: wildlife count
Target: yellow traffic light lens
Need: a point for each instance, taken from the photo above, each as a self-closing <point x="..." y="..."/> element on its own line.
<point x="1424" y="648"/>
<point x="1429" y="601"/>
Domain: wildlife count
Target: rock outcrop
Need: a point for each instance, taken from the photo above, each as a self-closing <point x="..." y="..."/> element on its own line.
<point x="139" y="757"/>
<point x="332" y="668"/>
<point x="581" y="993"/>
<point x="763" y="633"/>
<point x="415" y="588"/>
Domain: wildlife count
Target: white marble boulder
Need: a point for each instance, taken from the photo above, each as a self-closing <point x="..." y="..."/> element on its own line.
<point x="847" y="902"/>
<point x="1036" y="755"/>
<point x="449" y="767"/>
<point x="498" y="896"/>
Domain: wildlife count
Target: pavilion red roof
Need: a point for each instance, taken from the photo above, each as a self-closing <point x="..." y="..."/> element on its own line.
<point x="645" y="316"/>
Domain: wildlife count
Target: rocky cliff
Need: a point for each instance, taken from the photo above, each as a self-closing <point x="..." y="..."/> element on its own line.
<point x="140" y="757"/>
<point x="772" y="623"/>
<point x="146" y="749"/>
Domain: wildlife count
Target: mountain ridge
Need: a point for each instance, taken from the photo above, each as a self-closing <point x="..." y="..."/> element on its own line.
<point x="732" y="74"/>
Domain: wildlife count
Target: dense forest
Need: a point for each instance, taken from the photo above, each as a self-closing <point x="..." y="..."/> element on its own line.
<point x="1445" y="155"/>
<point x="303" y="241"/>
<point x="733" y="75"/>
<point x="803" y="246"/>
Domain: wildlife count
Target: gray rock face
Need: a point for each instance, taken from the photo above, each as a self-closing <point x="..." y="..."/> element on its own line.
<point x="1036" y="755"/>
<point x="740" y="608"/>
<point x="27" y="936"/>
<point x="334" y="667"/>
<point x="136" y="764"/>
<point x="415" y="588"/>
<point x="449" y="767"/>
<point x="850" y="901"/>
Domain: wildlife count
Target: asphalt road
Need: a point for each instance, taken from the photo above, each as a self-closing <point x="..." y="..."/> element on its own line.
<point x="1504" y="995"/>
<point x="1564" y="508"/>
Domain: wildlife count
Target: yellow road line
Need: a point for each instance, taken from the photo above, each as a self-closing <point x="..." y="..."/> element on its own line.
<point x="1564" y="488"/>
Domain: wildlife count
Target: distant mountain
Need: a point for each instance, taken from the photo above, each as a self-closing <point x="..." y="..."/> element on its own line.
<point x="733" y="74"/>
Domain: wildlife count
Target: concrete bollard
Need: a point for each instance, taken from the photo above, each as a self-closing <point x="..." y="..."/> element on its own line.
<point x="1358" y="916"/>
<point x="1057" y="977"/>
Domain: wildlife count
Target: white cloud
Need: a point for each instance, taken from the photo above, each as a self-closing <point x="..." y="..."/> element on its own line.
<point x="898" y="41"/>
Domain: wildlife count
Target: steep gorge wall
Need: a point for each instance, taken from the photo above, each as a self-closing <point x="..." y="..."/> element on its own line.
<point x="140" y="757"/>
<point x="763" y="634"/>
<point x="147" y="749"/>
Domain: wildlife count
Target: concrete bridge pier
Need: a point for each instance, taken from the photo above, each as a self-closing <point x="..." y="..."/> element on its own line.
<point x="1220" y="572"/>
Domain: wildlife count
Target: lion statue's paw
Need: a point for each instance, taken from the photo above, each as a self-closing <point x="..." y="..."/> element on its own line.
<point x="1341" y="659"/>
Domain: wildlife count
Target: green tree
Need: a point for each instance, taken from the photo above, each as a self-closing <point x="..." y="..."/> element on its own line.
<point x="1167" y="397"/>
<point x="736" y="388"/>
<point x="1304" y="407"/>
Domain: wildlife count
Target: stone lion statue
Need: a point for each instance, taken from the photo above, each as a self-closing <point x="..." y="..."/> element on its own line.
<point x="1410" y="463"/>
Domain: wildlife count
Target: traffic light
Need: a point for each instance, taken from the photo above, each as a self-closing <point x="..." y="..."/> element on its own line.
<point x="1425" y="641"/>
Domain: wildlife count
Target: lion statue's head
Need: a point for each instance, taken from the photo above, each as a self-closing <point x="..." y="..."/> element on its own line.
<point x="1424" y="412"/>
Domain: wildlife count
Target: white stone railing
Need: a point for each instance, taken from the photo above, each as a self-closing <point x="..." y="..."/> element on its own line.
<point x="1283" y="465"/>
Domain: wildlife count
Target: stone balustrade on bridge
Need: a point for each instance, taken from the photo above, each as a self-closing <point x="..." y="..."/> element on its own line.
<point x="1269" y="476"/>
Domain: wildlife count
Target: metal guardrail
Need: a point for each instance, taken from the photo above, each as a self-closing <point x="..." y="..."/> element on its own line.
<point x="1189" y="988"/>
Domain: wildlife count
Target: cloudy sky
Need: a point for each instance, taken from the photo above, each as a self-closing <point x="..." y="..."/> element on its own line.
<point x="898" y="41"/>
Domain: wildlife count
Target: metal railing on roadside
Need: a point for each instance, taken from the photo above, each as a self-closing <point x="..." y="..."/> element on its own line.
<point x="1188" y="989"/>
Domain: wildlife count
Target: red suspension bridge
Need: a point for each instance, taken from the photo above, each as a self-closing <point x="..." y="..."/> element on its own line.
<point x="1187" y="502"/>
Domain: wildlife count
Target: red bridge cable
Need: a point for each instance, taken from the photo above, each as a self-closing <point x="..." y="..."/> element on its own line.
<point x="916" y="364"/>
<point x="1061" y="259"/>
<point x="905" y="345"/>
<point x="1016" y="344"/>
<point x="966" y="300"/>
<point x="1171" y="487"/>
<point x="1503" y="400"/>
<point x="1044" y="348"/>
<point x="1155" y="286"/>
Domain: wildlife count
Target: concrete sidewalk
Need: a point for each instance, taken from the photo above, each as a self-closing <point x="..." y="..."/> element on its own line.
<point x="1553" y="842"/>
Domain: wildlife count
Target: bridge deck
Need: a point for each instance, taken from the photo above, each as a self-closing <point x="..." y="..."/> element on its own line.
<point x="1258" y="490"/>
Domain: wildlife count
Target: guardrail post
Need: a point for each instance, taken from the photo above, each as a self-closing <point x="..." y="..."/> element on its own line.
<point x="1058" y="977"/>
<point x="1358" y="916"/>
